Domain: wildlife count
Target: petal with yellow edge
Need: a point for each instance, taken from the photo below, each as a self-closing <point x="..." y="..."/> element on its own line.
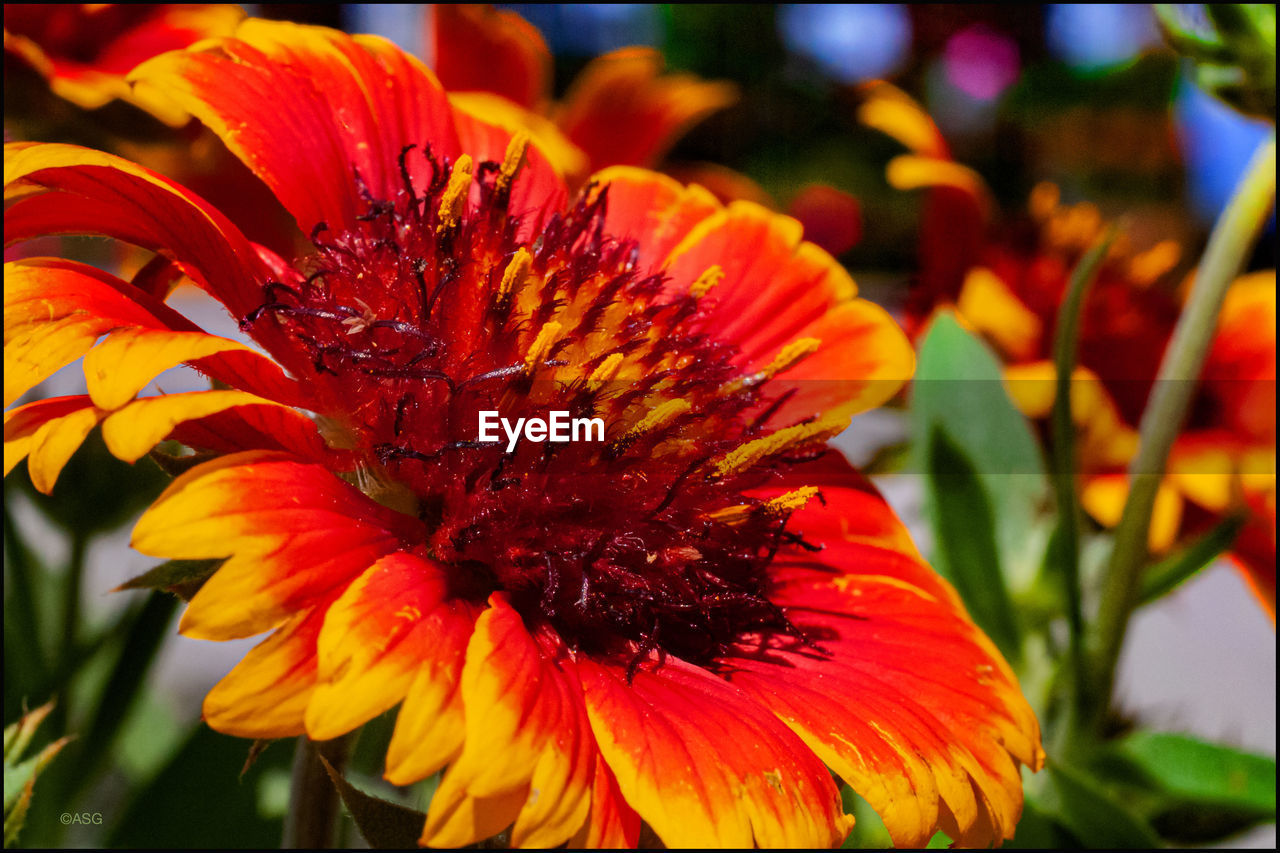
<point x="705" y="765"/>
<point x="652" y="209"/>
<point x="65" y="189"/>
<point x="266" y="694"/>
<point x="930" y="742"/>
<point x="309" y="108"/>
<point x="293" y="531"/>
<point x="526" y="736"/>
<point x="47" y="433"/>
<point x="54" y="312"/>
<point x="376" y="638"/>
<point x="123" y="364"/>
<point x="611" y="824"/>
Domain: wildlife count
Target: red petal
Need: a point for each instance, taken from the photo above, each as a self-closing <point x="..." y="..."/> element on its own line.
<point x="308" y="108"/>
<point x="528" y="755"/>
<point x="390" y="624"/>
<point x="706" y="766"/>
<point x="98" y="193"/>
<point x="654" y="210"/>
<point x="293" y="531"/>
<point x="479" y="48"/>
<point x="622" y="110"/>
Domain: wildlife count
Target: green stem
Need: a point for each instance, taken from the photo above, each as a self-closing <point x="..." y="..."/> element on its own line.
<point x="1065" y="544"/>
<point x="312" y="820"/>
<point x="1229" y="246"/>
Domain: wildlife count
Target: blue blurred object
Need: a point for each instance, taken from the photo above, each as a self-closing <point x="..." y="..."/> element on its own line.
<point x="588" y="29"/>
<point x="402" y="24"/>
<point x="1217" y="143"/>
<point x="850" y="43"/>
<point x="1098" y="37"/>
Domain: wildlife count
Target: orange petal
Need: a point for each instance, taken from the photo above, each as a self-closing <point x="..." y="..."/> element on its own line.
<point x="386" y="627"/>
<point x="431" y="728"/>
<point x="293" y="531"/>
<point x="307" y="108"/>
<point x="54" y="312"/>
<point x="538" y="191"/>
<point x="622" y="110"/>
<point x="132" y="431"/>
<point x="930" y="742"/>
<point x="855" y="526"/>
<point x="261" y="428"/>
<point x="267" y="693"/>
<point x="706" y="766"/>
<point x="89" y="192"/>
<point x="863" y="360"/>
<point x="482" y="49"/>
<point x="567" y="159"/>
<point x="652" y="209"/>
<point x="612" y="824"/>
<point x="122" y="365"/>
<point x="48" y="432"/>
<point x="528" y="755"/>
<point x="773" y="284"/>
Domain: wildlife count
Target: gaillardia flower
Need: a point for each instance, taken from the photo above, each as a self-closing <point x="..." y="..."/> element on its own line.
<point x="85" y="50"/>
<point x="1006" y="282"/>
<point x="686" y="623"/>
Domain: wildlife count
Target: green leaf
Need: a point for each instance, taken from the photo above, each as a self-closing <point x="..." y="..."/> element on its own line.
<point x="1163" y="577"/>
<point x="1199" y="792"/>
<point x="183" y="578"/>
<point x="385" y="825"/>
<point x="966" y="543"/>
<point x="20" y="776"/>
<point x="959" y="386"/>
<point x="1092" y="815"/>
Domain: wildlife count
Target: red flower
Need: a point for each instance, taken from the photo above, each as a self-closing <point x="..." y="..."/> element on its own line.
<point x="681" y="624"/>
<point x="1007" y="284"/>
<point x="85" y="50"/>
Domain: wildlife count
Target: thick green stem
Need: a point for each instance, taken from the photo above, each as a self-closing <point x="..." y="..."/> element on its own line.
<point x="312" y="820"/>
<point x="1229" y="246"/>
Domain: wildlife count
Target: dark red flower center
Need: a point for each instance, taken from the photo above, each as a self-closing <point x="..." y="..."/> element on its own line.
<point x="443" y="303"/>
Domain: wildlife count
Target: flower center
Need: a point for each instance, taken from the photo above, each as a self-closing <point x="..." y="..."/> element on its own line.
<point x="445" y="303"/>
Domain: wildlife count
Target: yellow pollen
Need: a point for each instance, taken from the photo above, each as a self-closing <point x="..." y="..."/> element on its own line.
<point x="779" y="506"/>
<point x="709" y="279"/>
<point x="541" y="345"/>
<point x="792" y="354"/>
<point x="511" y="161"/>
<point x="659" y="417"/>
<point x="516" y="274"/>
<point x="746" y="455"/>
<point x="605" y="372"/>
<point x="732" y="515"/>
<point x="791" y="501"/>
<point x="454" y="197"/>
